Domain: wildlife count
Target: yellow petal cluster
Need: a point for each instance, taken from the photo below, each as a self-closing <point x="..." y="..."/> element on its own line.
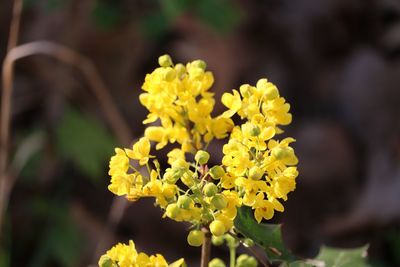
<point x="177" y="96"/>
<point x="125" y="255"/>
<point x="257" y="169"/>
<point x="262" y="168"/>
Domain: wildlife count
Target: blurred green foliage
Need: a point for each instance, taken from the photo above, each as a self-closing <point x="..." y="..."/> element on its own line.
<point x="60" y="240"/>
<point x="85" y="142"/>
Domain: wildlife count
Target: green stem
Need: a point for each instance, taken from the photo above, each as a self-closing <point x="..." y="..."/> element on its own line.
<point x="206" y="248"/>
<point x="232" y="256"/>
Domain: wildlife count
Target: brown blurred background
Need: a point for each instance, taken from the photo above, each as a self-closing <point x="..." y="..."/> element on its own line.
<point x="336" y="61"/>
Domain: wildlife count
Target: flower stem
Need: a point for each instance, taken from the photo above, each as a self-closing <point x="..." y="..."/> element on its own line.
<point x="205" y="248"/>
<point x="232" y="256"/>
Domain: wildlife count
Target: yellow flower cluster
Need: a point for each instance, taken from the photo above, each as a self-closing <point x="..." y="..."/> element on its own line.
<point x="122" y="255"/>
<point x="257" y="170"/>
<point x="263" y="167"/>
<point x="178" y="96"/>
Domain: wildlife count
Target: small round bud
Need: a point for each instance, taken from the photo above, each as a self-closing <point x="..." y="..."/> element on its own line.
<point x="199" y="64"/>
<point x="210" y="189"/>
<point x="165" y="61"/>
<point x="180" y="69"/>
<point x="216" y="262"/>
<point x="196" y="72"/>
<point x="231" y="241"/>
<point x="172" y="211"/>
<point x="247" y="242"/>
<point x="217" y="240"/>
<point x="184" y="202"/>
<point x="195" y="238"/>
<point x="217" y="228"/>
<point x="106" y="261"/>
<point x="202" y="156"/>
<point x="219" y="202"/>
<point x="245" y="260"/>
<point x="255" y="173"/>
<point x="217" y="172"/>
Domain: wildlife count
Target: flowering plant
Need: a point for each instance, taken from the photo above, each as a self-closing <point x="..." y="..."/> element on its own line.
<point x="226" y="201"/>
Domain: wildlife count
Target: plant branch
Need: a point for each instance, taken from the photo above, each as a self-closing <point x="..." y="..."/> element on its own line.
<point x="205" y="248"/>
<point x="67" y="56"/>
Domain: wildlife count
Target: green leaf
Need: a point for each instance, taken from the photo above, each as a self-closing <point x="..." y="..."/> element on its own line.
<point x="334" y="257"/>
<point x="221" y="15"/>
<point x="106" y="15"/>
<point x="155" y="25"/>
<point x="85" y="142"/>
<point x="268" y="236"/>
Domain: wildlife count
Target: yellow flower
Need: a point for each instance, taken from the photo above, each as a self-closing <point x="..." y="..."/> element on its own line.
<point x="140" y="151"/>
<point x="264" y="208"/>
<point x="123" y="255"/>
<point x="231" y="101"/>
<point x="119" y="163"/>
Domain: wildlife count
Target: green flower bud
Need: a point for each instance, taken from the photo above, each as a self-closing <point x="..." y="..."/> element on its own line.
<point x="165" y="61"/>
<point x="245" y="260"/>
<point x="202" y="156"/>
<point x="184" y="202"/>
<point x="216" y="262"/>
<point x="171" y="176"/>
<point x="180" y="69"/>
<point x="199" y="64"/>
<point x="210" y="189"/>
<point x="217" y="228"/>
<point x="231" y="241"/>
<point x="255" y="173"/>
<point x="106" y="261"/>
<point x="172" y="211"/>
<point x="219" y="201"/>
<point x="247" y="242"/>
<point x="217" y="240"/>
<point x="217" y="172"/>
<point x="195" y="238"/>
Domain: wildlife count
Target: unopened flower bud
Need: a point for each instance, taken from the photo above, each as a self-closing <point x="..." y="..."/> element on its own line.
<point x="217" y="240"/>
<point x="210" y="189"/>
<point x="219" y="202"/>
<point x="180" y="163"/>
<point x="165" y="61"/>
<point x="217" y="172"/>
<point x="255" y="173"/>
<point x="245" y="260"/>
<point x="195" y="238"/>
<point x="172" y="210"/>
<point x="247" y="242"/>
<point x="106" y="261"/>
<point x="184" y="202"/>
<point x="216" y="262"/>
<point x="199" y="64"/>
<point x="202" y="156"/>
<point x="217" y="228"/>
